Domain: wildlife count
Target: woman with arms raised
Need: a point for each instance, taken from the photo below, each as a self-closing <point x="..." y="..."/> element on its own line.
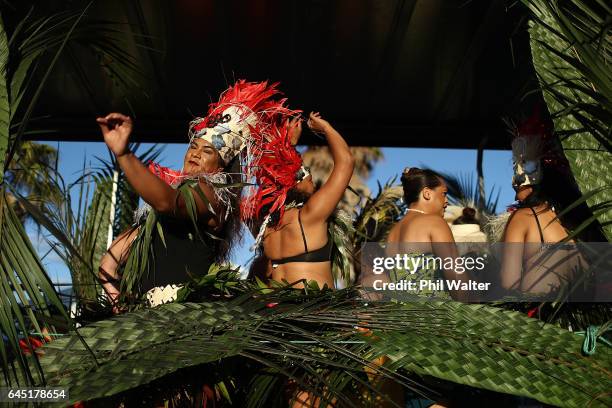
<point x="200" y="221"/>
<point x="292" y="216"/>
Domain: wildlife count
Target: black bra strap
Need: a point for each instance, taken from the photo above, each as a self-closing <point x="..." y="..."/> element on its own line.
<point x="537" y="222"/>
<point x="302" y="229"/>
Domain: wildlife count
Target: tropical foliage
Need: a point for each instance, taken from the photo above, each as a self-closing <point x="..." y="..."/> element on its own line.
<point x="27" y="294"/>
<point x="464" y="191"/>
<point x="310" y="337"/>
<point x="247" y="342"/>
<point x="81" y="231"/>
<point x="369" y="222"/>
<point x="28" y="55"/>
<point x="572" y="48"/>
<point x="31" y="173"/>
<point x="321" y="163"/>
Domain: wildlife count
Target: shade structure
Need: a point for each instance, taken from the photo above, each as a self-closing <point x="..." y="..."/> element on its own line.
<point x="421" y="73"/>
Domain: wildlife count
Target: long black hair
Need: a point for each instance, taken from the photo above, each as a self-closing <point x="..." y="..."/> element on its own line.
<point x="231" y="229"/>
<point x="414" y="180"/>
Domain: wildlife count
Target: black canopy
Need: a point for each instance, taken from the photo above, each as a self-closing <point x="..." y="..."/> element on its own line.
<point x="436" y="73"/>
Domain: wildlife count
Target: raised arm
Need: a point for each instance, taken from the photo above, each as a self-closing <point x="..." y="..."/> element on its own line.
<point x="323" y="202"/>
<point x="116" y="129"/>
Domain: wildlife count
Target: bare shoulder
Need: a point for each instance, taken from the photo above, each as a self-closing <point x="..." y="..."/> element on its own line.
<point x="517" y="225"/>
<point x="521" y="212"/>
<point x="430" y="220"/>
<point x="520" y="216"/>
<point x="395" y="231"/>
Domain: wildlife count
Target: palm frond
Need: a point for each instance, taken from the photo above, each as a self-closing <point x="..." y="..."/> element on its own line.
<point x="63" y="36"/>
<point x="309" y="336"/>
<point x="379" y="213"/>
<point x="31" y="173"/>
<point x="49" y="39"/>
<point x="535" y="360"/>
<point x="28" y="56"/>
<point x="80" y="238"/>
<point x="29" y="301"/>
<point x="28" y="297"/>
<point x="341" y="232"/>
<point x="571" y="49"/>
<point x="463" y="191"/>
<point x="5" y="106"/>
<point x="126" y="199"/>
<point x="373" y="221"/>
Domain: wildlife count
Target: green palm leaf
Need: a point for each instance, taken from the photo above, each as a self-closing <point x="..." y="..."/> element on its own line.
<point x="507" y="352"/>
<point x="379" y="214"/>
<point x="5" y="107"/>
<point x="26" y="291"/>
<point x="309" y="335"/>
<point x="173" y="336"/>
<point x="27" y="58"/>
<point x="571" y="48"/>
<point x="463" y="191"/>
<point x="28" y="299"/>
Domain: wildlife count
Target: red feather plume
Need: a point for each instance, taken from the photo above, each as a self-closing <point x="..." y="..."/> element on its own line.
<point x="168" y="175"/>
<point x="255" y="96"/>
<point x="536" y="127"/>
<point x="274" y="169"/>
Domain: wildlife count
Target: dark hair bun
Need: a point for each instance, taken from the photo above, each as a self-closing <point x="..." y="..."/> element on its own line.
<point x="410" y="172"/>
<point x="468" y="216"/>
<point x="469" y="212"/>
<point x="414" y="180"/>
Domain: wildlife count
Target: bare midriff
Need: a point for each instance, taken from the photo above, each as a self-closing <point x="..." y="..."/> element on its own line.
<point x="295" y="271"/>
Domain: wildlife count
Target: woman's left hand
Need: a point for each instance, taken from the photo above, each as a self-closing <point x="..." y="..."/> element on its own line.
<point x="116" y="129"/>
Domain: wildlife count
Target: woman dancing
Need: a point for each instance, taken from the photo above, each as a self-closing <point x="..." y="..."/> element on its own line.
<point x="199" y="214"/>
<point x="291" y="216"/>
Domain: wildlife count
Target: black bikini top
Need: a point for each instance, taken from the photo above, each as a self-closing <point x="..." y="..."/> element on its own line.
<point x="538" y="222"/>
<point x="320" y="255"/>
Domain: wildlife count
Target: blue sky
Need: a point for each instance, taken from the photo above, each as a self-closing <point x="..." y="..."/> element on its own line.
<point x="497" y="168"/>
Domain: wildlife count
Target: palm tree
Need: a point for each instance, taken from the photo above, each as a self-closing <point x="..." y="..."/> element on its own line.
<point x="31" y="174"/>
<point x="27" y="57"/>
<point x="320" y="161"/>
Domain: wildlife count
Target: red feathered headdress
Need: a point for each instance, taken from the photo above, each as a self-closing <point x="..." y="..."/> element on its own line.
<point x="275" y="171"/>
<point x="244" y="108"/>
<point x="242" y="117"/>
<point x="248" y="119"/>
